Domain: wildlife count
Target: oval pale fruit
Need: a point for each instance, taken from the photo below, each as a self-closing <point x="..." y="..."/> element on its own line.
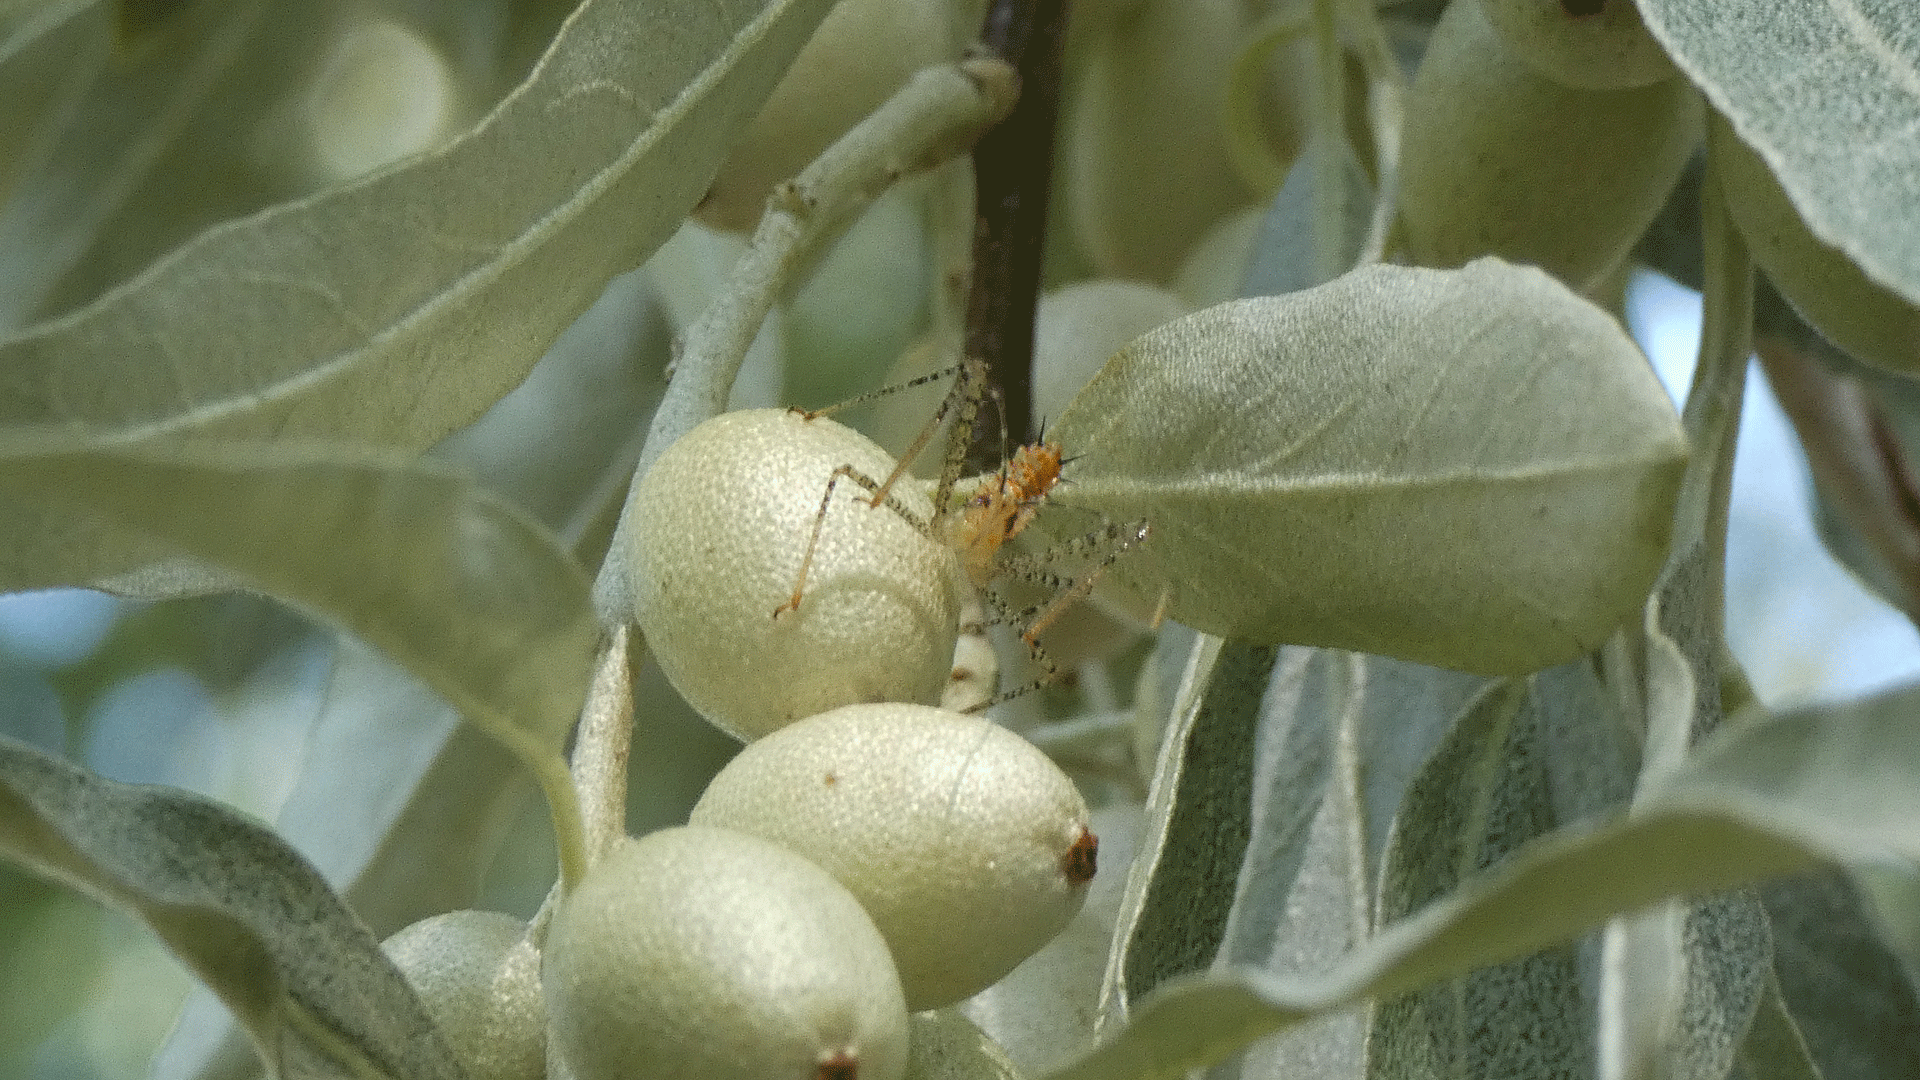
<point x="1497" y="160"/>
<point x="863" y="52"/>
<point x="479" y="979"/>
<point x="718" y="528"/>
<point x="1589" y="44"/>
<point x="1146" y="168"/>
<point x="706" y="954"/>
<point x="967" y="845"/>
<point x="1831" y="292"/>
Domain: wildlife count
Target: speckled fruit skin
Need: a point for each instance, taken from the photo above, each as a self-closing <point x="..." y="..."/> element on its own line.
<point x="719" y="526"/>
<point x="952" y="831"/>
<point x="1607" y="50"/>
<point x="1867" y="320"/>
<point x="479" y="979"/>
<point x="706" y="954"/>
<point x="1497" y="160"/>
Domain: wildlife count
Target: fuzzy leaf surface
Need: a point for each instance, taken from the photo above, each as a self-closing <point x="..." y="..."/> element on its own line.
<point x="1758" y="799"/>
<point x="1470" y="468"/>
<point x="1484" y="792"/>
<point x="234" y="903"/>
<point x="1828" y="92"/>
<point x="455" y="584"/>
<point x="397" y="308"/>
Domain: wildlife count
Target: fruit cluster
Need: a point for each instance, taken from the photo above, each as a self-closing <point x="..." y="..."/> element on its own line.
<point x="876" y="859"/>
<point x="845" y="871"/>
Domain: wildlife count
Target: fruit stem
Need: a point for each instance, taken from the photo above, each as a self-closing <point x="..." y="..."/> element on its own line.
<point x="563" y="805"/>
<point x="601" y="748"/>
<point x="1691" y="590"/>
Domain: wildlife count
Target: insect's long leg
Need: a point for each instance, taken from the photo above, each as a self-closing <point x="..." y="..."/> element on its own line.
<point x="1049" y="670"/>
<point x="885" y="391"/>
<point x="968" y="376"/>
<point x="1117" y="538"/>
<point x="965" y="395"/>
<point x="820" y="518"/>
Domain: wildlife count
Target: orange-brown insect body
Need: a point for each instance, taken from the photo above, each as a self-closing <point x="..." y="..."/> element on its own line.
<point x="1004" y="505"/>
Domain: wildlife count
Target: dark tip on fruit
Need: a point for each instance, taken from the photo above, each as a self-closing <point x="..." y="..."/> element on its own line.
<point x="1581" y="9"/>
<point x="841" y="1066"/>
<point x="1082" y="860"/>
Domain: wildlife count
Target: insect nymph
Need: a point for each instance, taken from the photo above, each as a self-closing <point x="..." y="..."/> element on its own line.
<point x="979" y="524"/>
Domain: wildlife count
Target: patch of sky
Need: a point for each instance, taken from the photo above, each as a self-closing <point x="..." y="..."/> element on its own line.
<point x="1803" y="627"/>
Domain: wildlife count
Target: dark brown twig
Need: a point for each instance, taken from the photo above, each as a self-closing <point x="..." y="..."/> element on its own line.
<point x="1013" y="166"/>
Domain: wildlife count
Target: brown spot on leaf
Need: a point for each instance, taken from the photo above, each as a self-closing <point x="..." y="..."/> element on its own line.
<point x="832" y="779"/>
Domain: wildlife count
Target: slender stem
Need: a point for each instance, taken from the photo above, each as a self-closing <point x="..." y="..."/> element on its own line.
<point x="1327" y="144"/>
<point x="1686" y="621"/>
<point x="601" y="748"/>
<point x="1386" y="96"/>
<point x="1712" y="414"/>
<point x="950" y="225"/>
<point x="1013" y="169"/>
<point x="940" y="112"/>
<point x="563" y="805"/>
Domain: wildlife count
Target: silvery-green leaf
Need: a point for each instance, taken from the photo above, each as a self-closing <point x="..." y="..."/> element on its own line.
<point x="126" y="107"/>
<point x="943" y="1044"/>
<point x="232" y="901"/>
<point x="1851" y="998"/>
<point x="399" y="307"/>
<point x="1775" y="1049"/>
<point x="1393" y="711"/>
<point x="1470" y="468"/>
<point x="1198" y="825"/>
<point x="1826" y="93"/>
<point x="1292" y="745"/>
<point x="1756" y="799"/>
<point x="1680" y="985"/>
<point x="46" y="53"/>
<point x="399" y="805"/>
<point x="460" y="588"/>
<point x="205" y="120"/>
<point x="262" y="122"/>
<point x="1322" y="919"/>
<point x="1483" y="793"/>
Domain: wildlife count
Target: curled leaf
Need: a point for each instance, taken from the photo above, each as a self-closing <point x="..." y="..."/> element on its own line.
<point x="1471" y="468"/>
